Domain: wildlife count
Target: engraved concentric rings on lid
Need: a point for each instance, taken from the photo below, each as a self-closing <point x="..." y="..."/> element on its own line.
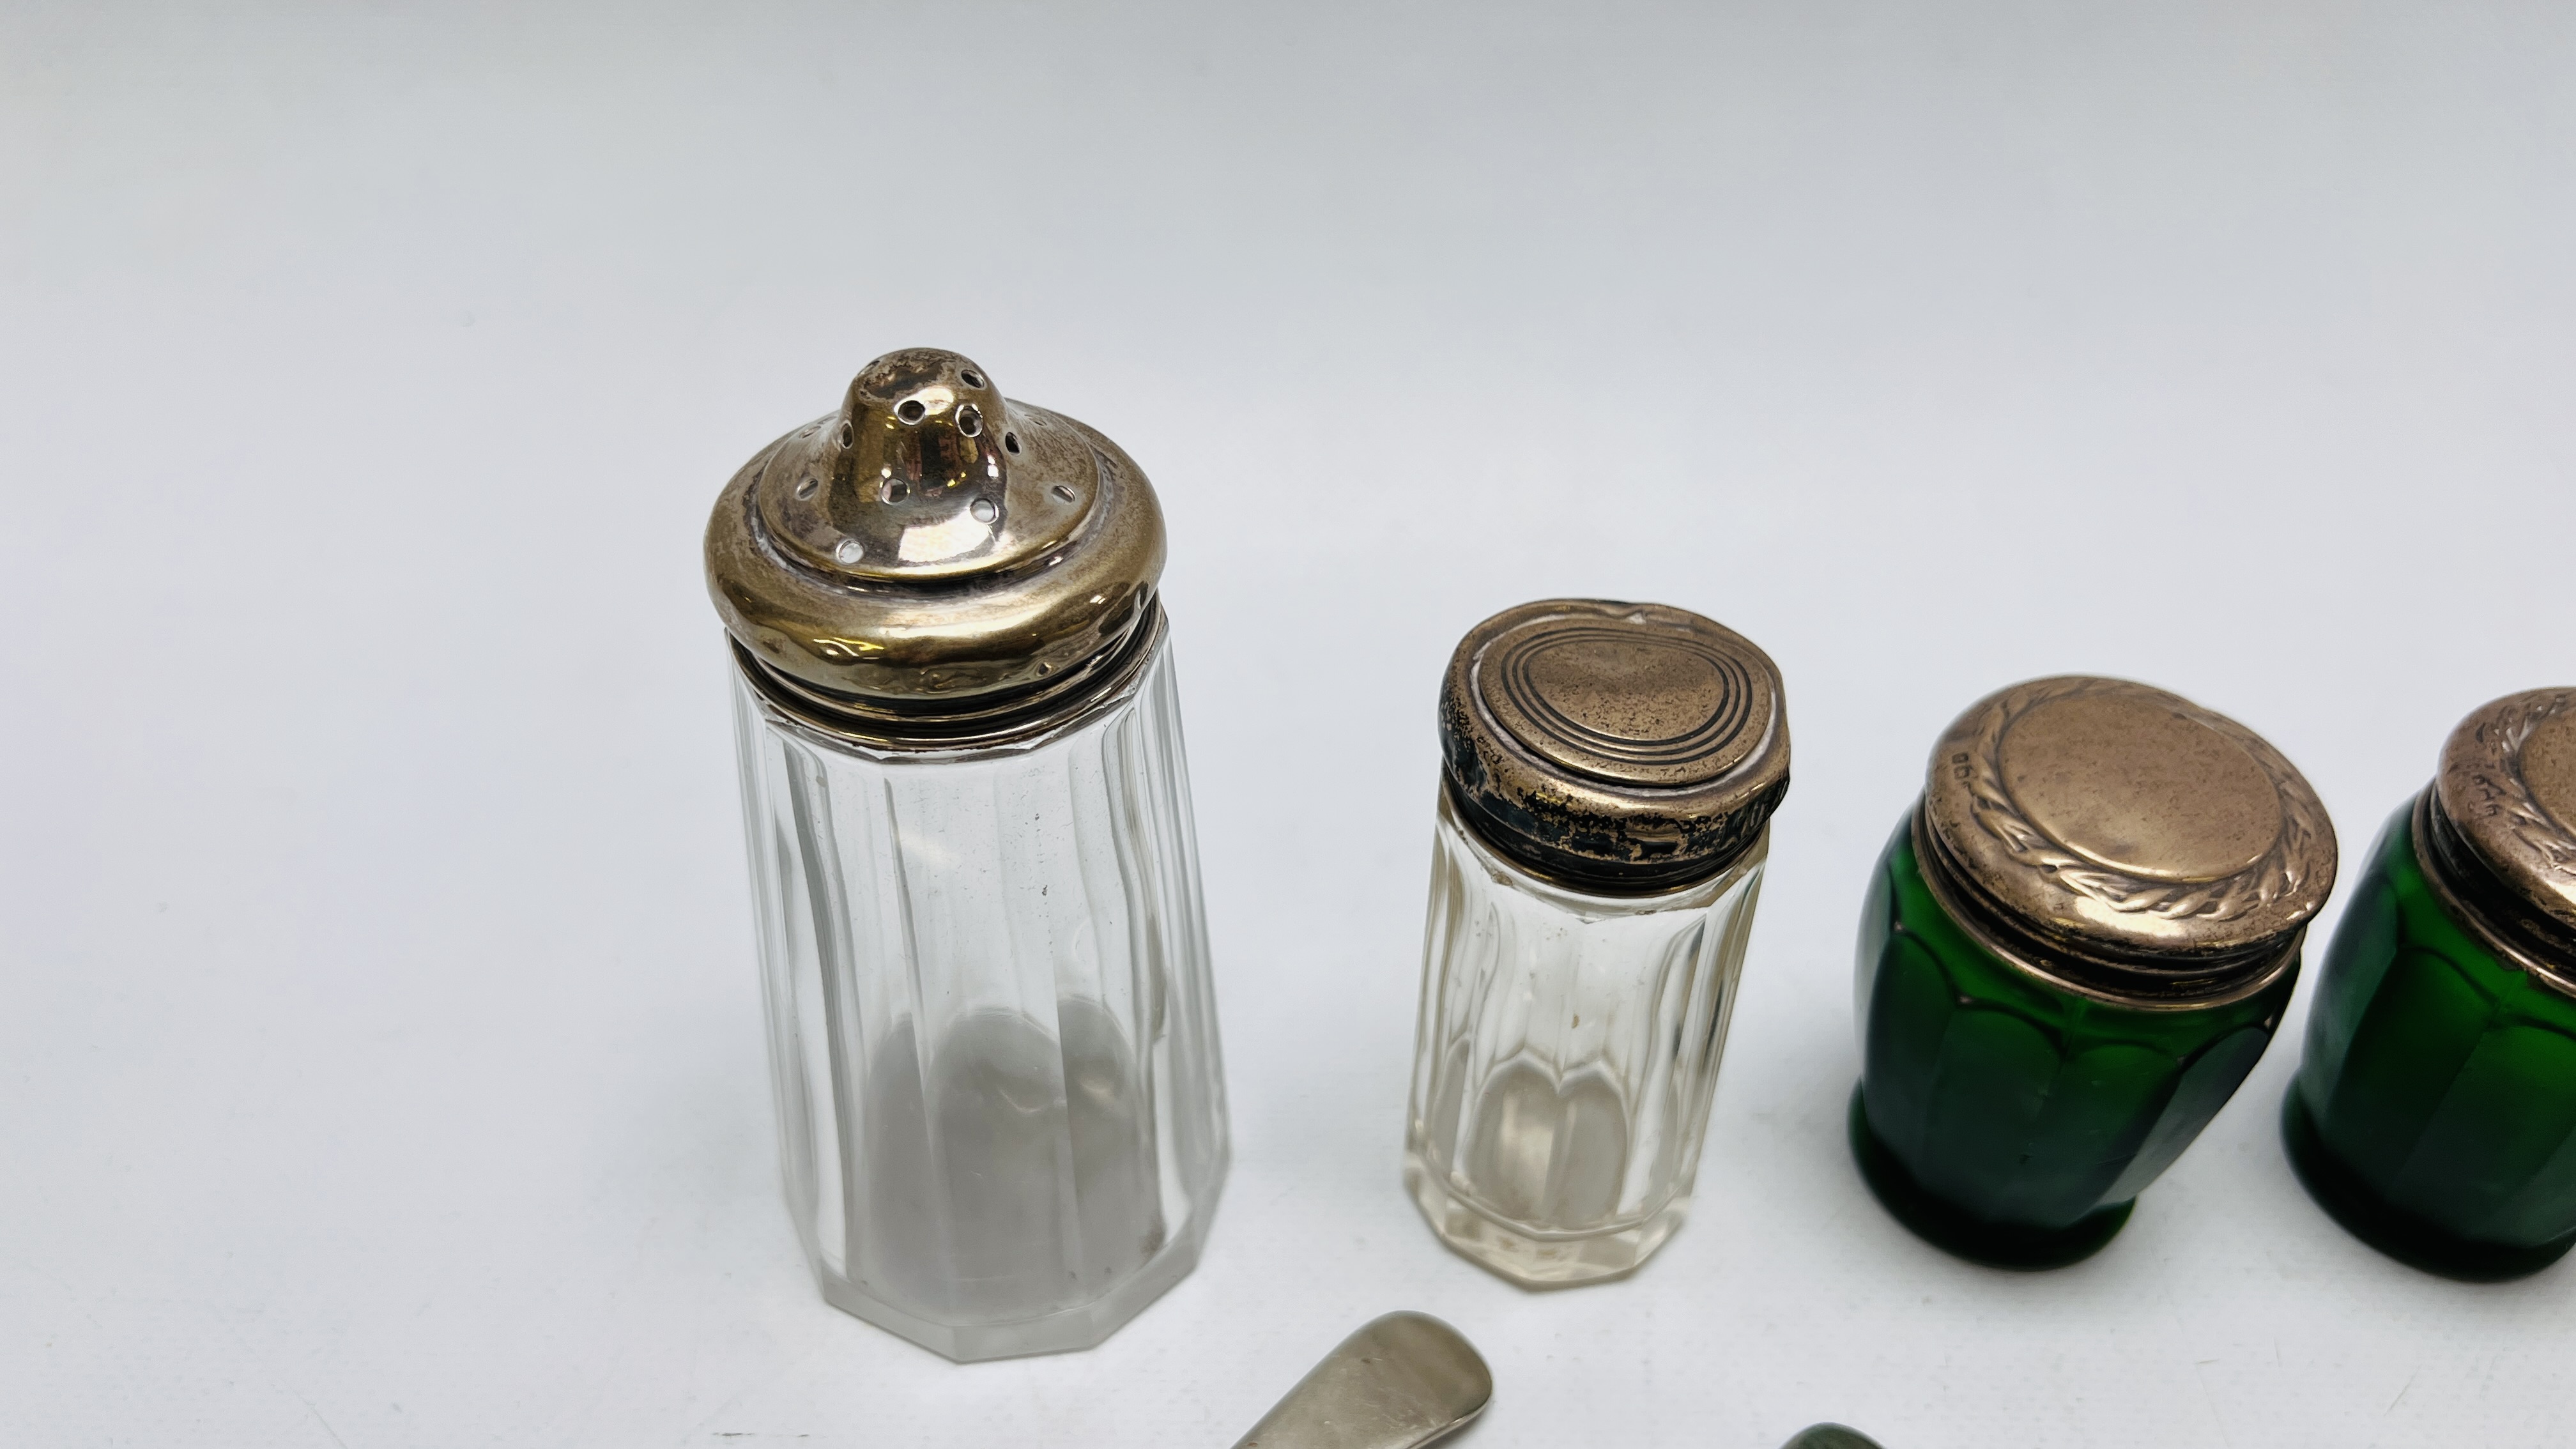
<point x="1624" y="703"/>
<point x="2507" y="784"/>
<point x="936" y="562"/>
<point x="2123" y="821"/>
<point x="1613" y="744"/>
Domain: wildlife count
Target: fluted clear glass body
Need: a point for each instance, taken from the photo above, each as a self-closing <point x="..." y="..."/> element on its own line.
<point x="1566" y="1058"/>
<point x="991" y="1033"/>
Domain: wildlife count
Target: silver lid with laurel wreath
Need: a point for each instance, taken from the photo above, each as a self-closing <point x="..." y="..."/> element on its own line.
<point x="2123" y="839"/>
<point x="2496" y="833"/>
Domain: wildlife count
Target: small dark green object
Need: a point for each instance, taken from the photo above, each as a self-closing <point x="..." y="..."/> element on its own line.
<point x="2434" y="1114"/>
<point x="1831" y="1436"/>
<point x="2072" y="952"/>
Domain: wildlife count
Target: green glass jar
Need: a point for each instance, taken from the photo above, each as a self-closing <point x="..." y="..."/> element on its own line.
<point x="2073" y="950"/>
<point x="2434" y="1114"/>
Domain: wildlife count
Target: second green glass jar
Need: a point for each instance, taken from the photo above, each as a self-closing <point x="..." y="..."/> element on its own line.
<point x="2435" y="1112"/>
<point x="2073" y="950"/>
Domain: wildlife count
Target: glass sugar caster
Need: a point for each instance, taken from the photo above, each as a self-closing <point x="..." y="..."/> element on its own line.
<point x="992" y="1038"/>
<point x="2074" y="948"/>
<point x="2434" y="1113"/>
<point x="1609" y="772"/>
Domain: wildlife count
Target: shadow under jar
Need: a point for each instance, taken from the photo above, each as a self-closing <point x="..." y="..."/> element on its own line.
<point x="974" y="874"/>
<point x="2072" y="952"/>
<point x="2434" y="1113"/>
<point x="1609" y="775"/>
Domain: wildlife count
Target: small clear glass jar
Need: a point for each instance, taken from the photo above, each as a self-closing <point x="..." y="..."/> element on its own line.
<point x="992" y="1037"/>
<point x="2073" y="950"/>
<point x="2434" y="1114"/>
<point x="1610" y="774"/>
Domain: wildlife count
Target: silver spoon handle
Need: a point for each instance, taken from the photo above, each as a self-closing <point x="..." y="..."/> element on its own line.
<point x="1401" y="1381"/>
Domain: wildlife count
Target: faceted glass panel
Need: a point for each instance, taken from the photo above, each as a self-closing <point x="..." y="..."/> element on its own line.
<point x="992" y="1038"/>
<point x="1566" y="1059"/>
<point x="2435" y="1111"/>
<point x="2009" y="1120"/>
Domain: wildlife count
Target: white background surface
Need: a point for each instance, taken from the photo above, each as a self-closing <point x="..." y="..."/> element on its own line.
<point x="379" y="1049"/>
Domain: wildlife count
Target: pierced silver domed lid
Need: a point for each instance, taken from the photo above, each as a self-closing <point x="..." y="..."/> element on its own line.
<point x="936" y="563"/>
